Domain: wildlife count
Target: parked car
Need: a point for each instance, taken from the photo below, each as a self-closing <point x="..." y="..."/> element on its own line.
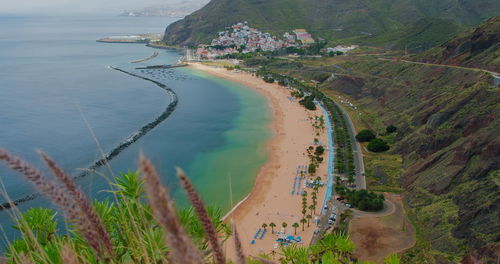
<point x="325" y="207"/>
<point x="348" y="205"/>
<point x="330" y="222"/>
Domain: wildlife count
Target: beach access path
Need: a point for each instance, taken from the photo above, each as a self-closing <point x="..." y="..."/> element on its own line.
<point x="272" y="198"/>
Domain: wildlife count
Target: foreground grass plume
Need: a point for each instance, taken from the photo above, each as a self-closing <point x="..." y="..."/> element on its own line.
<point x="198" y="205"/>
<point x="238" y="247"/>
<point x="73" y="209"/>
<point x="81" y="200"/>
<point x="182" y="248"/>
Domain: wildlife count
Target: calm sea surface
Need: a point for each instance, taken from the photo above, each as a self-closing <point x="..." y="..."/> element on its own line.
<point x="50" y="67"/>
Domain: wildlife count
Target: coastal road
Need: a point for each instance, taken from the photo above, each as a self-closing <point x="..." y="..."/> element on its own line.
<point x="332" y="204"/>
<point x="358" y="153"/>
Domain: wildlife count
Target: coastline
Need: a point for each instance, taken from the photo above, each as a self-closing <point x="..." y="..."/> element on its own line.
<point x="271" y="199"/>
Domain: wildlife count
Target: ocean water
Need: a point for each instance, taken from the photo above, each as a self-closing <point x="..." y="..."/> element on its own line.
<point x="53" y="75"/>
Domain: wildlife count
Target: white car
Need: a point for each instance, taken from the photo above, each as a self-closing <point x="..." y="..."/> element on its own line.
<point x="330" y="222"/>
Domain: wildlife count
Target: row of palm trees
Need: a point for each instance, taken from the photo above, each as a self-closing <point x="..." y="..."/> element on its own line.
<point x="284" y="225"/>
<point x="306" y="218"/>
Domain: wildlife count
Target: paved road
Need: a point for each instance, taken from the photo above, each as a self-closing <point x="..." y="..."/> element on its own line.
<point x="323" y="226"/>
<point x="358" y="153"/>
<point x="332" y="204"/>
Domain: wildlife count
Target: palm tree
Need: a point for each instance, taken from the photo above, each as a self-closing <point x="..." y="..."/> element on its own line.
<point x="284" y="224"/>
<point x="308" y="219"/>
<point x="304" y="211"/>
<point x="337" y="242"/>
<point x="338" y="181"/>
<point x="295" y="225"/>
<point x="295" y="254"/>
<point x="350" y="180"/>
<point x="312" y="208"/>
<point x="264" y="225"/>
<point x="272" y="225"/>
<point x="303" y="221"/>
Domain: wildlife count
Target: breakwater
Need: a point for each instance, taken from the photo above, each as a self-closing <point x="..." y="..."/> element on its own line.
<point x="132" y="138"/>
<point x="156" y="53"/>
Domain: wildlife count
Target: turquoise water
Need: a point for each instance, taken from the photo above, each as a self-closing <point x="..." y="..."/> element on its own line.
<point x="51" y="68"/>
<point x="235" y="164"/>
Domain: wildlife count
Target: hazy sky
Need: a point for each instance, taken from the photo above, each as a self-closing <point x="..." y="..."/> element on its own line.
<point x="75" y="6"/>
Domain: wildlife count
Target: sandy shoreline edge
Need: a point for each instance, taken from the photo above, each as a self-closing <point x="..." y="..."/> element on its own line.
<point x="218" y="72"/>
<point x="271" y="198"/>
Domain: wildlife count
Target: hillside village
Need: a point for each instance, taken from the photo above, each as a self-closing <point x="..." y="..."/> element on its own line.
<point x="241" y="38"/>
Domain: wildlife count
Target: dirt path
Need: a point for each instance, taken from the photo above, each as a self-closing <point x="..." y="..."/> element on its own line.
<point x="445" y="65"/>
<point x="376" y="235"/>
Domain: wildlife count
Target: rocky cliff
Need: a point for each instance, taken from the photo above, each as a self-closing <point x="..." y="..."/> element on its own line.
<point x="478" y="47"/>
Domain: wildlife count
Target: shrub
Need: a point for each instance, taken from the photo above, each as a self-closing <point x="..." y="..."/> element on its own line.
<point x="362" y="199"/>
<point x="308" y="103"/>
<point x="311" y="169"/>
<point x="319" y="150"/>
<point x="391" y="129"/>
<point x="378" y="145"/>
<point x="365" y="135"/>
<point x="268" y="79"/>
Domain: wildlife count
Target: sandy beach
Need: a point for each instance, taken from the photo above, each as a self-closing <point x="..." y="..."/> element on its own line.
<point x="271" y="199"/>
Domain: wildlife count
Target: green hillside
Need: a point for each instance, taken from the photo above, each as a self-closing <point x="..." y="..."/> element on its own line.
<point x="447" y="136"/>
<point x="420" y="35"/>
<point x="325" y="18"/>
<point x="477" y="47"/>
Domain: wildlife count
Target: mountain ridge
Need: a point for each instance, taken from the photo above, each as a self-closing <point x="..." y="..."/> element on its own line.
<point x="331" y="19"/>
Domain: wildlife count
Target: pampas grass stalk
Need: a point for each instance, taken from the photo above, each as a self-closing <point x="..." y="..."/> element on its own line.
<point x="182" y="249"/>
<point x="237" y="247"/>
<point x="23" y="259"/>
<point x="202" y="213"/>
<point x="80" y="198"/>
<point x="68" y="206"/>
<point x="263" y="260"/>
<point x="68" y="255"/>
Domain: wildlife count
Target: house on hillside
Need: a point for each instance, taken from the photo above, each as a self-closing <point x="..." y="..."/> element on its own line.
<point x="303" y="36"/>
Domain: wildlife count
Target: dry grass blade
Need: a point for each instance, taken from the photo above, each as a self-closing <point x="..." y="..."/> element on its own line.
<point x="182" y="248"/>
<point x="23" y="259"/>
<point x="237" y="246"/>
<point x="202" y="213"/>
<point x="263" y="260"/>
<point x="70" y="209"/>
<point x="68" y="256"/>
<point x="33" y="175"/>
<point x="82" y="201"/>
